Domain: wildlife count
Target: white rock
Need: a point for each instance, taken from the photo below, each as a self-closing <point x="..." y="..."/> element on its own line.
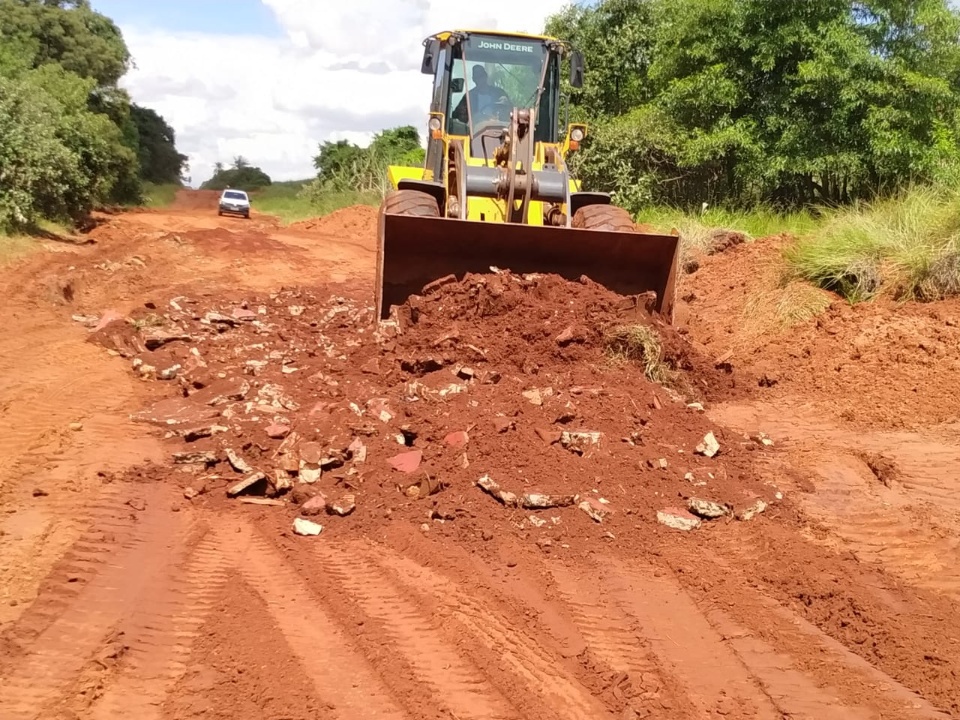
<point x="706" y="508"/>
<point x="751" y="512"/>
<point x="305" y="527"/>
<point x="709" y="447"/>
<point x="678" y="520"/>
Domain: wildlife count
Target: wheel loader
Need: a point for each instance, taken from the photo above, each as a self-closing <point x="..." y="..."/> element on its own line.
<point x="495" y="189"/>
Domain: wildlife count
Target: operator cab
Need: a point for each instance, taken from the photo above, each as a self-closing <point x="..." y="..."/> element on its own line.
<point x="479" y="78"/>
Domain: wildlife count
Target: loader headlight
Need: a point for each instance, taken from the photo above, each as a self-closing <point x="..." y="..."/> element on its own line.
<point x="434" y="123"/>
<point x="576" y="134"/>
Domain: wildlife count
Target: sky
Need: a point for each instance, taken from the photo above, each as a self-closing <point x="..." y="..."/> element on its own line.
<point x="272" y="79"/>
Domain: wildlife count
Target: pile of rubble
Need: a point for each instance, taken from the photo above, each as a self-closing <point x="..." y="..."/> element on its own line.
<point x="494" y="391"/>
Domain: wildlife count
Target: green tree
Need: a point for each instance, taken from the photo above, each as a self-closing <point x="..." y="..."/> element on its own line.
<point x="823" y="101"/>
<point x="69" y="33"/>
<point x="157" y="148"/>
<point x="241" y="175"/>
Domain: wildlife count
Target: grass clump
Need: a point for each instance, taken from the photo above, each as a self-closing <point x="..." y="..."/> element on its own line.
<point x="159" y="196"/>
<point x="299" y="200"/>
<point x="14" y="246"/>
<point x="640" y="344"/>
<point x="696" y="229"/>
<point x="907" y="247"/>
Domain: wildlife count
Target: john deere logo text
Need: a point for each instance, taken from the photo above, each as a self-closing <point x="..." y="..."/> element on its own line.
<point x="511" y="47"/>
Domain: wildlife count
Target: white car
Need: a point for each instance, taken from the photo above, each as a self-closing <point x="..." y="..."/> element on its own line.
<point x="234" y="202"/>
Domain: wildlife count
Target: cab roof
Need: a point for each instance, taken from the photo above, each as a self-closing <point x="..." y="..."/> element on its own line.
<point x="445" y="35"/>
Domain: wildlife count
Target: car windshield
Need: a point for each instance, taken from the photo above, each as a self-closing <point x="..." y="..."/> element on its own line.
<point x="235" y="195"/>
<point x="493" y="75"/>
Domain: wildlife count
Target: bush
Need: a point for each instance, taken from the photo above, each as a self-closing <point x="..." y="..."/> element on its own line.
<point x="907" y="247"/>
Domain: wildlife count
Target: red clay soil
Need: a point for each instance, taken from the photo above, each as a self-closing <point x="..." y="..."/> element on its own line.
<point x="445" y="393"/>
<point x="880" y="363"/>
<point x="499" y="499"/>
<point x="359" y="222"/>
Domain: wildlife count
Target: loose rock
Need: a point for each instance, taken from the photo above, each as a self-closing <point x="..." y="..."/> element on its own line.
<point x="678" y="519"/>
<point x="306" y="527"/>
<point x="539" y="501"/>
<point x="752" y="511"/>
<point x="492" y="488"/>
<point x="596" y="508"/>
<point x="247" y="483"/>
<point x="237" y="462"/>
<point x="407" y="462"/>
<point x="709" y="447"/>
<point x="707" y="509"/>
<point x="344" y="506"/>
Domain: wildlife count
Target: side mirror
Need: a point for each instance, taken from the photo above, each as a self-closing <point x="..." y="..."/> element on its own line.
<point x="456" y="85"/>
<point x="431" y="49"/>
<point x="576" y="69"/>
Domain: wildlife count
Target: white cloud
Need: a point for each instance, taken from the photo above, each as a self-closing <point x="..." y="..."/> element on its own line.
<point x="342" y="70"/>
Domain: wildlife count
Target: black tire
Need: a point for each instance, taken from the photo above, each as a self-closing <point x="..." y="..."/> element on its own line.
<point x="603" y="217"/>
<point x="410" y="202"/>
<point x="219" y="213"/>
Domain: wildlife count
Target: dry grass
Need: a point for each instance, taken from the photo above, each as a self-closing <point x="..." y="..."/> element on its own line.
<point x="640" y="344"/>
<point x="15" y="246"/>
<point x="907" y="247"/>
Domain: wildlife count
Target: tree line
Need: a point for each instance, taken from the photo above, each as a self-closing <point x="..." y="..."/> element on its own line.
<point x="743" y="102"/>
<point x="70" y="138"/>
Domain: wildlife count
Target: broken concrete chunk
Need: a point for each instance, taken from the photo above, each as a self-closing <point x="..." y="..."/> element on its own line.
<point x="269" y="502"/>
<point x="457" y="439"/>
<point x="551" y="437"/>
<point x="436" y="285"/>
<point x="426" y="487"/>
<point x="707" y="509"/>
<point x="247" y="483"/>
<point x="580" y="442"/>
<point x="204" y="431"/>
<point x="358" y="450"/>
<point x="344" y="506"/>
<point x="709" y="447"/>
<point x="492" y="488"/>
<point x="154" y="338"/>
<point x="540" y="501"/>
<point x="282" y="480"/>
<point x="596" y="508"/>
<point x="678" y="519"/>
<point x="309" y="472"/>
<point x="752" y="511"/>
<point x="311" y="453"/>
<point x="206" y="457"/>
<point x="407" y="462"/>
<point x="314" y="506"/>
<point x="306" y="528"/>
<point x="237" y="462"/>
<point x="502" y="424"/>
<point x="170" y="373"/>
<point x="277" y="431"/>
<point x="534" y="396"/>
<point x="763" y="439"/>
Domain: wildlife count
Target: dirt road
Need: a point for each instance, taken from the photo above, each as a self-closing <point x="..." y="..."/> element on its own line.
<point x="147" y="373"/>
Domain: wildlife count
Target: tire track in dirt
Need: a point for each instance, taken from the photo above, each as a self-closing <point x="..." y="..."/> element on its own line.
<point x="521" y="655"/>
<point x="159" y="636"/>
<point x="869" y="681"/>
<point x="613" y="640"/>
<point x="687" y="644"/>
<point x="909" y="523"/>
<point x="881" y="525"/>
<point x="455" y="681"/>
<point x="65" y="381"/>
<point x="789" y="689"/>
<point x="342" y="677"/>
<point x="102" y="523"/>
<point x="35" y="682"/>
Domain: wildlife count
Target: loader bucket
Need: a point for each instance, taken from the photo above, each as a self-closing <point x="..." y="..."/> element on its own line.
<point x="415" y="250"/>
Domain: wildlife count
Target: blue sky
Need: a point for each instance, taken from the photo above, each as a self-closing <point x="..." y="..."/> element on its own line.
<point x="223" y="17"/>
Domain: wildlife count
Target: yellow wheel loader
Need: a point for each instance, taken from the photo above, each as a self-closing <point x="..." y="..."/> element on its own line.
<point x="495" y="189"/>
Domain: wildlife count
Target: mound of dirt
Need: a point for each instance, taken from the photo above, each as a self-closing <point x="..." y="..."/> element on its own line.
<point x="354" y="221"/>
<point x="880" y="363"/>
<point x="491" y="395"/>
<point x="196" y="200"/>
